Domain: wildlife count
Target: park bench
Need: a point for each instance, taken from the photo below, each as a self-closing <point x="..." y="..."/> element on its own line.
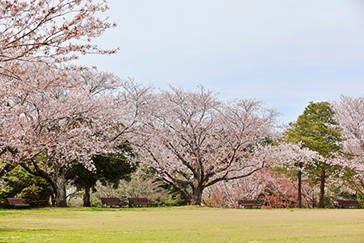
<point x="248" y="203"/>
<point x="138" y="201"/>
<point x="348" y="203"/>
<point x="17" y="203"/>
<point x="112" y="201"/>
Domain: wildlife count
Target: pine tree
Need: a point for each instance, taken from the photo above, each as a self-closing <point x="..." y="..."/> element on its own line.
<point x="317" y="130"/>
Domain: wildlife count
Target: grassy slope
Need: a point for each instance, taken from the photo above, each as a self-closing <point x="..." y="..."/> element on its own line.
<point x="181" y="224"/>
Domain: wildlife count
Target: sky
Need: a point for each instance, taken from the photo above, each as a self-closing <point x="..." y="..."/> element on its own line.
<point x="285" y="53"/>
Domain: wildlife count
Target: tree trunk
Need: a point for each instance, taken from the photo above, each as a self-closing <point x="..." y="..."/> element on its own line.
<point x="300" y="188"/>
<point x="61" y="198"/>
<point x="86" y="197"/>
<point x="197" y="196"/>
<point x="53" y="198"/>
<point x="58" y="184"/>
<point x="322" y="190"/>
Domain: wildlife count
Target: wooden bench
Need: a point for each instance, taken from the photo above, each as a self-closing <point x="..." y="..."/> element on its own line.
<point x="138" y="201"/>
<point x="112" y="201"/>
<point x="17" y="203"/>
<point x="248" y="203"/>
<point x="348" y="203"/>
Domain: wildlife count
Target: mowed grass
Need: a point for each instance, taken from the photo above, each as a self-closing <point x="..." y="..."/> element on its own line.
<point x="181" y="224"/>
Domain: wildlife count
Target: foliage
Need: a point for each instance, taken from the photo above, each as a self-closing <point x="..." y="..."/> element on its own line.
<point x="317" y="130"/>
<point x="227" y="194"/>
<point x="46" y="105"/>
<point x="170" y="201"/>
<point x="109" y="168"/>
<point x="52" y="128"/>
<point x="55" y="116"/>
<point x="349" y="112"/>
<point x="270" y="188"/>
<point x="360" y="198"/>
<point x="19" y="183"/>
<point x="48" y="32"/>
<point x="66" y="125"/>
<point x="142" y="184"/>
<point x="274" y="190"/>
<point x="193" y="140"/>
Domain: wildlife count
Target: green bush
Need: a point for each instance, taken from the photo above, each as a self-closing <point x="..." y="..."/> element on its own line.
<point x="170" y="201"/>
<point x="19" y="183"/>
<point x="141" y="184"/>
<point x="360" y="198"/>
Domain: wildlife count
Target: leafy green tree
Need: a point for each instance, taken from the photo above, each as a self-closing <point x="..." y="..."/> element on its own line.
<point x="317" y="130"/>
<point x="19" y="183"/>
<point x="110" y="168"/>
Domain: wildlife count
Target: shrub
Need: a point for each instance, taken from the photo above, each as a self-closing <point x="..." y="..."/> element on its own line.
<point x="19" y="183"/>
<point x="170" y="201"/>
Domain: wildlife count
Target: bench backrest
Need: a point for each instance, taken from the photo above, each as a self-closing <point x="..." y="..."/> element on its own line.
<point x="15" y="201"/>
<point x="348" y="203"/>
<point x="111" y="200"/>
<point x="137" y="200"/>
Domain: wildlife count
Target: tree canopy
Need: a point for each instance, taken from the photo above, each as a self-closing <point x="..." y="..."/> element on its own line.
<point x="317" y="130"/>
<point x="48" y="31"/>
<point x="193" y="140"/>
<point x="349" y="111"/>
<point x="109" y="168"/>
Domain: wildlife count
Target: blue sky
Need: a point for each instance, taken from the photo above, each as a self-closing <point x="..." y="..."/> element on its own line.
<point x="283" y="52"/>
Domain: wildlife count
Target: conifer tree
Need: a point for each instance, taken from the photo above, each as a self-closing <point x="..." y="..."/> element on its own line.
<point x="317" y="130"/>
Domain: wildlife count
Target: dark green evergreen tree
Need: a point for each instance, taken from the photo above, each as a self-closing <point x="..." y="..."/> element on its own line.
<point x="317" y="129"/>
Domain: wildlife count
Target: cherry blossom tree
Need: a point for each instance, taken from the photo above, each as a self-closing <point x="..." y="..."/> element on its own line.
<point x="53" y="115"/>
<point x="48" y="31"/>
<point x="55" y="122"/>
<point x="270" y="188"/>
<point x="294" y="158"/>
<point x="226" y="194"/>
<point x="193" y="140"/>
<point x="271" y="185"/>
<point x="349" y="112"/>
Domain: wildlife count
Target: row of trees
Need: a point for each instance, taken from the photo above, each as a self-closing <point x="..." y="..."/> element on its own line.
<point x="332" y="132"/>
<point x="60" y="121"/>
<point x="192" y="140"/>
<point x="196" y="142"/>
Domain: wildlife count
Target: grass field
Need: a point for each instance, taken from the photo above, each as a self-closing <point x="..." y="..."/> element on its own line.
<point x="181" y="224"/>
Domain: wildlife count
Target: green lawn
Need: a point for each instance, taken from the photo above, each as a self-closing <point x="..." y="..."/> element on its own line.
<point x="181" y="224"/>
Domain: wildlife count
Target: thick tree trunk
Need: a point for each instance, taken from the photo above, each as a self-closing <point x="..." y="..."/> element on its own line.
<point x="61" y="197"/>
<point x="197" y="196"/>
<point x="86" y="197"/>
<point x="322" y="190"/>
<point x="300" y="188"/>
